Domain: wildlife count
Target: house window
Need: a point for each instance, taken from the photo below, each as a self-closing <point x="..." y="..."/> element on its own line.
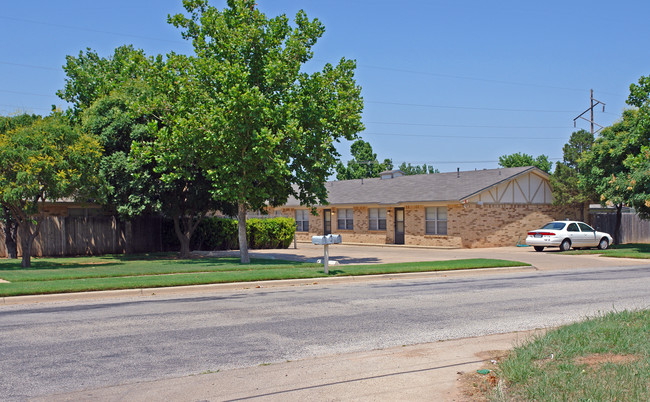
<point x="302" y="220"/>
<point x="377" y="218"/>
<point x="345" y="219"/>
<point x="436" y="220"/>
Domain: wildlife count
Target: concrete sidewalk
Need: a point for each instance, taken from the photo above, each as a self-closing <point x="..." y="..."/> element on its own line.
<point x="551" y="259"/>
<point x="427" y="372"/>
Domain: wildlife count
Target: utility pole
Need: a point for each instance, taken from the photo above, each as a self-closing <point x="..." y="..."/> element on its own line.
<point x="594" y="103"/>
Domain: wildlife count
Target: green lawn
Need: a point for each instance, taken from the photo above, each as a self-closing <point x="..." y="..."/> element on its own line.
<point x="633" y="250"/>
<point x="62" y="275"/>
<point x="606" y="358"/>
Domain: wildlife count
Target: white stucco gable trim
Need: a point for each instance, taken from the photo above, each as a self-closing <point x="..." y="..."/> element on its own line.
<point x="531" y="187"/>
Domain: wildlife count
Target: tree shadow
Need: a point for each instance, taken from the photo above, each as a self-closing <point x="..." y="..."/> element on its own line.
<point x="115" y="260"/>
<point x="14" y="265"/>
<point x="341" y="259"/>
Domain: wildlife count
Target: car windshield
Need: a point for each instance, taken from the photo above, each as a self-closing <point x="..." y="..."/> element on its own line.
<point x="555" y="226"/>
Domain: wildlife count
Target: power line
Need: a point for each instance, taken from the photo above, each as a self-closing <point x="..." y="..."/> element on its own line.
<point x="401" y="104"/>
<point x="460" y="77"/>
<point x="25" y="108"/>
<point x="462" y="125"/>
<point x="407" y="104"/>
<point x="472" y="108"/>
<point x="394" y="69"/>
<point x="30" y="66"/>
<point x="433" y="163"/>
<point x="89" y="30"/>
<point x="540" y="138"/>
<point x="26" y="93"/>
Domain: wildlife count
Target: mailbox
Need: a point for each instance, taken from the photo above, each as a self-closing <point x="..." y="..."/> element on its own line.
<point x="327" y="239"/>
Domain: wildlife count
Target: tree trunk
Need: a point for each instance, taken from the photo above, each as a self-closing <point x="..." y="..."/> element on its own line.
<point x="27" y="240"/>
<point x="617" y="228"/>
<point x="11" y="235"/>
<point x="184" y="236"/>
<point x="243" y="243"/>
<point x="26" y="261"/>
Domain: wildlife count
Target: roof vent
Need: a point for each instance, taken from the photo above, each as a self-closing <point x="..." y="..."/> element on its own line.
<point x="390" y="174"/>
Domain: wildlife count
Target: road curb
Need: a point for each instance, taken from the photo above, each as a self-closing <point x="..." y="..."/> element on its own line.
<point x="224" y="287"/>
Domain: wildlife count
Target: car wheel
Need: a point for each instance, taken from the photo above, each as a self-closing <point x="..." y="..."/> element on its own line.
<point x="604" y="243"/>
<point x="539" y="248"/>
<point x="566" y="245"/>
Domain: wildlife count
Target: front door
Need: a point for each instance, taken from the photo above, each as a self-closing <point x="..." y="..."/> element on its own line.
<point x="327" y="221"/>
<point x="399" y="225"/>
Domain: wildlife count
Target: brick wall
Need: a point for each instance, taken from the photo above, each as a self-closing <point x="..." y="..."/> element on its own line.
<point x="415" y="230"/>
<point x="361" y="233"/>
<point x="501" y="225"/>
<point x="468" y="226"/>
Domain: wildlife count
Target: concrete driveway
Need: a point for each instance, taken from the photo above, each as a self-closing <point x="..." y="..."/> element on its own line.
<point x="370" y="254"/>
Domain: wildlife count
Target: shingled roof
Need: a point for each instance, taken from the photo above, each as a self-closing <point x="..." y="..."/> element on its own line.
<point x="437" y="187"/>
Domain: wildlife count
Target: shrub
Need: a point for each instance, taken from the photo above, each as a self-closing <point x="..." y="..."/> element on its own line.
<point x="270" y="233"/>
<point x="222" y="234"/>
<point x="215" y="234"/>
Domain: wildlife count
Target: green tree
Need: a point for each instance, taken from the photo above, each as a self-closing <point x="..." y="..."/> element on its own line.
<point x="264" y="129"/>
<point x="175" y="151"/>
<point x="132" y="102"/>
<point x="603" y="169"/>
<point x="364" y="163"/>
<point x="90" y="77"/>
<point x="104" y="93"/>
<point x="639" y="163"/>
<point x="44" y="161"/>
<point x="639" y="181"/>
<point x="521" y="159"/>
<point x="565" y="179"/>
<point x="408" y="169"/>
<point x="129" y="183"/>
<point x="8" y="123"/>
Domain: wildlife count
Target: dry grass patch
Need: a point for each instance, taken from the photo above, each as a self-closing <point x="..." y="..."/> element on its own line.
<point x="474" y="386"/>
<point x="595" y="360"/>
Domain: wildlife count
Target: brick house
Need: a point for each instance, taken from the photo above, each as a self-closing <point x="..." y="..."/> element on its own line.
<point x="481" y="208"/>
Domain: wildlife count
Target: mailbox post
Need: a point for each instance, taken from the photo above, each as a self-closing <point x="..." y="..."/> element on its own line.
<point x="326" y="241"/>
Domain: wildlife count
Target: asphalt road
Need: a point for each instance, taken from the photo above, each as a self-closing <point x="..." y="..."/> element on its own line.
<point x="61" y="347"/>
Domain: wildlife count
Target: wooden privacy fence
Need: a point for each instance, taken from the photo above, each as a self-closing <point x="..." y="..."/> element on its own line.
<point x="96" y="235"/>
<point x="633" y="228"/>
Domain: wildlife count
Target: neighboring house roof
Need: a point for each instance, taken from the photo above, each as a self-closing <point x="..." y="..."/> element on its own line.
<point x="434" y="187"/>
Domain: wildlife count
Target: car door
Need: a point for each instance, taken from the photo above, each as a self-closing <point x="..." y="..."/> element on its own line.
<point x="573" y="231"/>
<point x="588" y="235"/>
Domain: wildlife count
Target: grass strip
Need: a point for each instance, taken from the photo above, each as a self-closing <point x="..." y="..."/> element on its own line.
<point x="606" y="358"/>
<point x="632" y="250"/>
<point x="107" y="267"/>
<point x="153" y="273"/>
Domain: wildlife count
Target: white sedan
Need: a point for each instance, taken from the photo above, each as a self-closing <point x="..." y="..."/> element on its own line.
<point x="567" y="234"/>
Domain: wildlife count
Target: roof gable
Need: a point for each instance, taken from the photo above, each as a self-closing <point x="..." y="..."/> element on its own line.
<point x="435" y="187"/>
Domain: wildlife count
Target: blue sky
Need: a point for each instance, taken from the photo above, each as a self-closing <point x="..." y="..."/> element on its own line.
<point x="449" y="83"/>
